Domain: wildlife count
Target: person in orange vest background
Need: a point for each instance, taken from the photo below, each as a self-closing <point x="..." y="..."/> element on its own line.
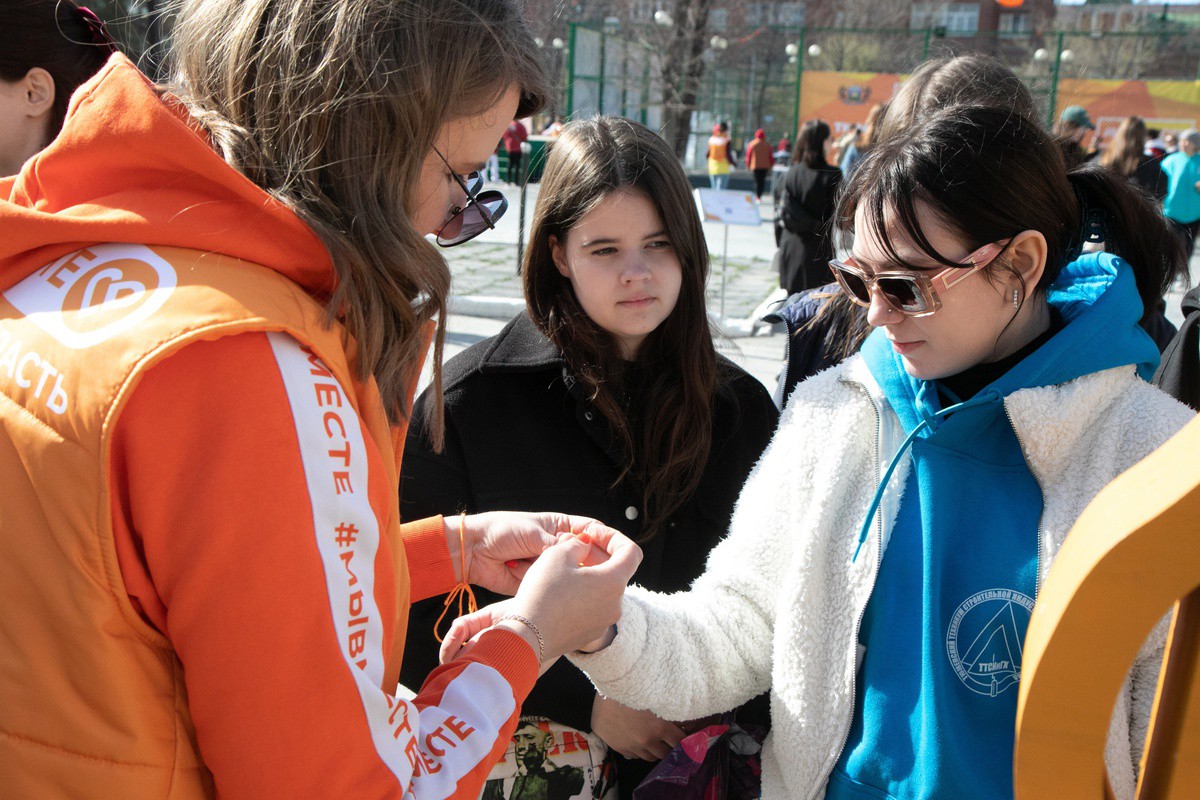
<point x="759" y="161"/>
<point x="215" y="300"/>
<point x="720" y="157"/>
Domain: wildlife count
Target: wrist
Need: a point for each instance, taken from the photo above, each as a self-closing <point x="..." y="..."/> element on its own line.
<point x="601" y="643"/>
<point x="456" y="544"/>
<point x="526" y="632"/>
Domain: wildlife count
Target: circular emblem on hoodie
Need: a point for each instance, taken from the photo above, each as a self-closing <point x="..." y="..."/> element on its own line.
<point x="96" y="293"/>
<point x="985" y="638"/>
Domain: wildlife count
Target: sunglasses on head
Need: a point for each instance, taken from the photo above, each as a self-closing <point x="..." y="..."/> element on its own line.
<point x="478" y="214"/>
<point x="911" y="292"/>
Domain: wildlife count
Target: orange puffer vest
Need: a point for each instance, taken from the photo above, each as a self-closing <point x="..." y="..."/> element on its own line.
<point x="90" y="694"/>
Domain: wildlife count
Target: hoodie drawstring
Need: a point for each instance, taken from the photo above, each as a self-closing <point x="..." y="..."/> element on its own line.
<point x="989" y="396"/>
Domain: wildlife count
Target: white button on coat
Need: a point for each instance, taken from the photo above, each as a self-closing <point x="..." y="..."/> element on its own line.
<point x="631" y="513"/>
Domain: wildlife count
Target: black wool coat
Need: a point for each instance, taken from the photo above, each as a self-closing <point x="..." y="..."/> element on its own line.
<point x="806" y="209"/>
<point x="521" y="436"/>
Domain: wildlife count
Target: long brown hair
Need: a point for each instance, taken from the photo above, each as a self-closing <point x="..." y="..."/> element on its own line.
<point x="810" y="145"/>
<point x="975" y="79"/>
<point x="332" y="106"/>
<point x="1124" y="152"/>
<point x="868" y="135"/>
<point x="591" y="160"/>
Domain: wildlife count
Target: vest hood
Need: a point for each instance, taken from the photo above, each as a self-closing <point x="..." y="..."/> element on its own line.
<point x="130" y="166"/>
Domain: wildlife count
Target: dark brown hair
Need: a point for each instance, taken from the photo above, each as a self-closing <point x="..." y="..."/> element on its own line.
<point x="56" y="36"/>
<point x="332" y="107"/>
<point x="810" y="145"/>
<point x="974" y="79"/>
<point x="990" y="174"/>
<point x="673" y="416"/>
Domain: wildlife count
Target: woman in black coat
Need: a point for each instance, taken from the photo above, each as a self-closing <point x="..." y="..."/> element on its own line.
<point x="607" y="398"/>
<point x="806" y="208"/>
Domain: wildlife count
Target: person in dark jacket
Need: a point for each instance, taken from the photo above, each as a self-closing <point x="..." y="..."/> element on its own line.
<point x="823" y="327"/>
<point x="805" y="210"/>
<point x="607" y="396"/>
<point x="1179" y="373"/>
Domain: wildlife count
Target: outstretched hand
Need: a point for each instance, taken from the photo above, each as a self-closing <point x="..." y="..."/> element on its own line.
<point x="572" y="593"/>
<point x="501" y="545"/>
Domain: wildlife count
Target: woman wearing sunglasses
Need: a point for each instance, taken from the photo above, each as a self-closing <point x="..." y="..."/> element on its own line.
<point x="606" y="399"/>
<point x="885" y="555"/>
<point x="214" y="304"/>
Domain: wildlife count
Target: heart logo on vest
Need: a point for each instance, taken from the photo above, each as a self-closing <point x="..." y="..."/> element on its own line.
<point x="94" y="294"/>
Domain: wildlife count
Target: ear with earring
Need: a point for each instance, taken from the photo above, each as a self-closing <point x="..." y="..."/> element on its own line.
<point x="1016" y="299"/>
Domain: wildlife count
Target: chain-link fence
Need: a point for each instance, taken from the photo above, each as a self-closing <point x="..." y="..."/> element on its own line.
<point x="610" y="74"/>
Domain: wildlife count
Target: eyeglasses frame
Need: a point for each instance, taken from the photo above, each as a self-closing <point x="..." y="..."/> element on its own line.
<point x="927" y="285"/>
<point x="472" y="200"/>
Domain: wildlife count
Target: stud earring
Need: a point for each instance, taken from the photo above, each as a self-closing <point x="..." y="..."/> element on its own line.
<point x="1016" y="299"/>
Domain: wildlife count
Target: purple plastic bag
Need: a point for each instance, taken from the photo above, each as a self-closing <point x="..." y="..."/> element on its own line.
<point x="719" y="762"/>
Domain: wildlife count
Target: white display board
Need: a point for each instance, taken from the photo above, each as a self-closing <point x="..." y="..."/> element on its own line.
<point x="729" y="207"/>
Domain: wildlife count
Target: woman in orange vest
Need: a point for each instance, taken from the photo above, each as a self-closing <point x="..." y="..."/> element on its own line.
<point x="720" y="157"/>
<point x="214" y="303"/>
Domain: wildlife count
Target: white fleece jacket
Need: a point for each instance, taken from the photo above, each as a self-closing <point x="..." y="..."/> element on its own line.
<point x="780" y="603"/>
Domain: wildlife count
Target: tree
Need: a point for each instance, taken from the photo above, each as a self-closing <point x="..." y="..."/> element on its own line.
<point x="683" y="69"/>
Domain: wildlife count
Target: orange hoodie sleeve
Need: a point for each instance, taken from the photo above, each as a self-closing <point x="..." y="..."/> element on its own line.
<point x="277" y="591"/>
<point x="429" y="566"/>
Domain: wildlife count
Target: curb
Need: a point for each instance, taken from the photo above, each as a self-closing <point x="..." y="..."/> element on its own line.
<point x="505" y="308"/>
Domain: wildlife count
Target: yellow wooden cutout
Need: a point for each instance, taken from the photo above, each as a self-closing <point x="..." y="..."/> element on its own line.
<point x="1132" y="554"/>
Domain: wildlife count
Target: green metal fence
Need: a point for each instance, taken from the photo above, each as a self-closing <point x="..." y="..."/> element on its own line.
<point x="758" y="79"/>
<point x="612" y="74"/>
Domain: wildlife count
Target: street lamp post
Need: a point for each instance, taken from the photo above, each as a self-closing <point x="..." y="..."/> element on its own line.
<point x="559" y="75"/>
<point x="1060" y="55"/>
<point x="718" y="44"/>
<point x="794" y="51"/>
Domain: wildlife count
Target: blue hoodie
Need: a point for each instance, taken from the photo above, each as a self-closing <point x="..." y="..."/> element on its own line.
<point x="936" y="696"/>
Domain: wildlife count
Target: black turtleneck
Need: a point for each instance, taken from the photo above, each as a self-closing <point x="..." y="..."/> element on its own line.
<point x="967" y="383"/>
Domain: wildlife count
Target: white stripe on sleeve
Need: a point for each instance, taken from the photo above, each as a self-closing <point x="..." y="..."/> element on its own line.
<point x="452" y="737"/>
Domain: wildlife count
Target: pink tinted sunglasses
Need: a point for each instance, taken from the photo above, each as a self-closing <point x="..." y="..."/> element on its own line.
<point x="911" y="292"/>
